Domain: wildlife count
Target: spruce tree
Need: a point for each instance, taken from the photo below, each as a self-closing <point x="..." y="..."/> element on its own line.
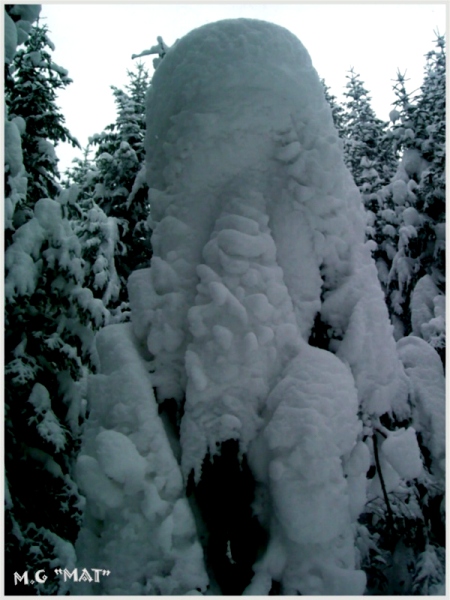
<point x="50" y="319"/>
<point x="368" y="154"/>
<point x="31" y="96"/>
<point x="402" y="539"/>
<point x="117" y="178"/>
<point x="417" y="275"/>
<point x="337" y="110"/>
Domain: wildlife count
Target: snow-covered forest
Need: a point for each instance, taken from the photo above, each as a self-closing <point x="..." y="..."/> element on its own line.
<point x="224" y="326"/>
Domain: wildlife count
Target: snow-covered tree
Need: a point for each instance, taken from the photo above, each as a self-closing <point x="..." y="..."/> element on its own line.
<point x="368" y="153"/>
<point x="337" y="110"/>
<point x="256" y="428"/>
<point x="35" y="80"/>
<point x="50" y="318"/>
<point x="18" y="23"/>
<point x="404" y="543"/>
<point x="120" y="188"/>
<point x="417" y="274"/>
<point x="263" y="323"/>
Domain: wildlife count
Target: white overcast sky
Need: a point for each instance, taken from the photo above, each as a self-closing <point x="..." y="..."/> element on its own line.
<point x="94" y="42"/>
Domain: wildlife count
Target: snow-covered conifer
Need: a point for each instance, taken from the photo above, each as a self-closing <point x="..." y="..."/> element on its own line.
<point x="265" y="322"/>
<point x="31" y="99"/>
<point x="410" y="258"/>
<point x="120" y="188"/>
<point x="50" y="319"/>
<point x="417" y="274"/>
<point x="337" y="110"/>
<point x="368" y="152"/>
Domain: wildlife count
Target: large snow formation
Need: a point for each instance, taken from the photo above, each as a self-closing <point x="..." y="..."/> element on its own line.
<point x="259" y="257"/>
<point x="137" y="522"/>
<point x="258" y="229"/>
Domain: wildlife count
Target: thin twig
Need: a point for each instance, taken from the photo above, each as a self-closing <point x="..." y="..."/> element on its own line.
<point x="390" y="514"/>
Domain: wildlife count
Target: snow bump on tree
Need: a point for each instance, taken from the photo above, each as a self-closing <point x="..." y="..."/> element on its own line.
<point x="137" y="522"/>
<point x="262" y="308"/>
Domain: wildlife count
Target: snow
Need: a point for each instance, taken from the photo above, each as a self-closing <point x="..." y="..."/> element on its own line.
<point x="24" y="257"/>
<point x="257" y="230"/>
<point x="21" y="260"/>
<point x="16" y="33"/>
<point x="10" y="39"/>
<point x="27" y="12"/>
<point x="356" y="465"/>
<point x="48" y="213"/>
<point x="137" y="522"/>
<point x="411" y="217"/>
<point x="13" y="148"/>
<point x="85" y="298"/>
<point x="394" y="115"/>
<point x="104" y="266"/>
<point x="96" y="485"/>
<point x="413" y="164"/>
<point x="47" y="149"/>
<point x="427" y="386"/>
<point x="428" y="312"/>
<point x="402" y="451"/>
<point x="48" y="425"/>
<point x="23" y="29"/>
<point x="65" y="555"/>
<point x="14" y="168"/>
<point x="311" y="425"/>
<point x="120" y="460"/>
<point x="139" y="182"/>
<point x="368" y="344"/>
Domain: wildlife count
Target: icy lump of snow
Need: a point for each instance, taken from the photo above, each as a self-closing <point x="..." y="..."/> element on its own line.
<point x="48" y="425"/>
<point x="402" y="451"/>
<point x="424" y="369"/>
<point x="120" y="459"/>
